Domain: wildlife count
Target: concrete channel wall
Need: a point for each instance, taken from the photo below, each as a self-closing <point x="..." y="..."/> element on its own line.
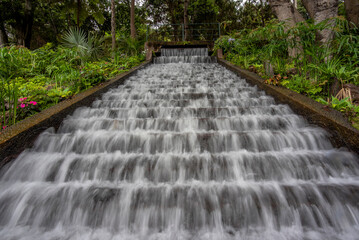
<point x="22" y="135"/>
<point x="342" y="134"/>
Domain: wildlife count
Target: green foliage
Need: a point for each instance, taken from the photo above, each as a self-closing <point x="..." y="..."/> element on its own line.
<point x="48" y="75"/>
<point x="304" y="86"/>
<point x="86" y="46"/>
<point x="315" y="69"/>
<point x="344" y="105"/>
<point x="249" y="47"/>
<point x="316" y="66"/>
<point x="130" y="46"/>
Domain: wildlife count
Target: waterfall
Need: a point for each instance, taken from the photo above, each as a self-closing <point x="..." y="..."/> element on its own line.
<point x="184" y="55"/>
<point x="182" y="151"/>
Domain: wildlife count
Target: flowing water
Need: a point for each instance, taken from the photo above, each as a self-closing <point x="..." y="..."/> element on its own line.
<point x="184" y="55"/>
<point x="182" y="151"/>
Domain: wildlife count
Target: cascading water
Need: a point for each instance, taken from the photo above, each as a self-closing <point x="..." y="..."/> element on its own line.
<point x="184" y="55"/>
<point x="182" y="151"/>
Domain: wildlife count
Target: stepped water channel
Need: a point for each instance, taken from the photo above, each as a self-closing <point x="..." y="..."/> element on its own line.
<point x="182" y="151"/>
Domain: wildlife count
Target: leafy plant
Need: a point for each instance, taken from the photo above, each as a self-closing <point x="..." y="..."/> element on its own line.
<point x="48" y="75"/>
<point x="315" y="70"/>
<point x="343" y="105"/>
<point x="130" y="46"/>
<point x="87" y="46"/>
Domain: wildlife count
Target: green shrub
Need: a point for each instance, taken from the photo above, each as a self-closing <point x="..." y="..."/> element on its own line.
<point x="50" y="74"/>
<point x="314" y="70"/>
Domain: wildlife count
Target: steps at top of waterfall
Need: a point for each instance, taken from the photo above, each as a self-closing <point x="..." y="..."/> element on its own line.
<point x="186" y="52"/>
<point x="184" y="55"/>
<point x="184" y="59"/>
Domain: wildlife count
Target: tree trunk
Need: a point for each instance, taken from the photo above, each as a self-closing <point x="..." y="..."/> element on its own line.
<point x="171" y="8"/>
<point x="352" y="10"/>
<point x="28" y="21"/>
<point x="133" y="28"/>
<point x="286" y="12"/>
<point x="175" y="32"/>
<point x="319" y="11"/>
<point x="20" y="35"/>
<point x="78" y="12"/>
<point x="3" y="35"/>
<point x="23" y="25"/>
<point x="185" y="20"/>
<point x="113" y="25"/>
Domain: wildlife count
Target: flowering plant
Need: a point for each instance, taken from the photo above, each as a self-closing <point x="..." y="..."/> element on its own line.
<point x="26" y="108"/>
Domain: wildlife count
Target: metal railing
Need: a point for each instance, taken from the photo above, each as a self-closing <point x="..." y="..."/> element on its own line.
<point x="180" y="32"/>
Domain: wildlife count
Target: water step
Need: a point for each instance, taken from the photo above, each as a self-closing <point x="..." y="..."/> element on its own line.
<point x="240" y="123"/>
<point x="180" y="112"/>
<point x="181" y="96"/>
<point x="282" y="166"/>
<point x="154" y="142"/>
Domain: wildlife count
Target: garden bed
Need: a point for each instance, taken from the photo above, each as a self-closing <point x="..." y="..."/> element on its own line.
<point x="18" y="137"/>
<point x="33" y="81"/>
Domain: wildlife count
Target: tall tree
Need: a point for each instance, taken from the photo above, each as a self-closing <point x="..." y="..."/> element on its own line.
<point x="352" y="10"/>
<point x="173" y="12"/>
<point x="185" y="19"/>
<point x="320" y="10"/>
<point x="166" y="12"/>
<point x="78" y="12"/>
<point x="3" y="34"/>
<point x="81" y="11"/>
<point x="133" y="27"/>
<point x="113" y="24"/>
<point x="24" y="23"/>
<point x="286" y="12"/>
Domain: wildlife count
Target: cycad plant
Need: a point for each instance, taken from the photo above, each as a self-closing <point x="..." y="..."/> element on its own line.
<point x="87" y="46"/>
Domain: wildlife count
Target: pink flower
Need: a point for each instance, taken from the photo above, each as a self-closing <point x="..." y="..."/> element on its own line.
<point x="22" y="99"/>
<point x="33" y="103"/>
<point x="22" y="105"/>
<point x="4" y="127"/>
